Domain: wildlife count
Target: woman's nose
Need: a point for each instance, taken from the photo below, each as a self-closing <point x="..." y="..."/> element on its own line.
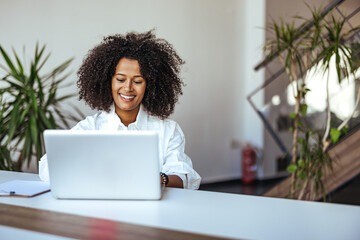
<point x="128" y="85"/>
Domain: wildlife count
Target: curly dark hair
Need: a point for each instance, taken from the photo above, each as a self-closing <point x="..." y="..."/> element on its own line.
<point x="159" y="65"/>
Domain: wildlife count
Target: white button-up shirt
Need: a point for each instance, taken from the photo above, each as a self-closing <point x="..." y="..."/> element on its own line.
<point x="173" y="160"/>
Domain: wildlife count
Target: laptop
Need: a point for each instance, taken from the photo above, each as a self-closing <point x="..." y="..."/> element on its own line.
<point x="103" y="164"/>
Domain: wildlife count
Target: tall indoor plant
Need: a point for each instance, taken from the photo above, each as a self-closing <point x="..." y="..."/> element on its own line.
<point x="29" y="105"/>
<point x="314" y="43"/>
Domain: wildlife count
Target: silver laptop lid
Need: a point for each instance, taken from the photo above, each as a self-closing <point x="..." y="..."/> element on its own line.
<point x="103" y="164"/>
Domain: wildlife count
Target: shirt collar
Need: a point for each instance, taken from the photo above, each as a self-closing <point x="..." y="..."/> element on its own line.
<point x="141" y="119"/>
<point x="140" y="122"/>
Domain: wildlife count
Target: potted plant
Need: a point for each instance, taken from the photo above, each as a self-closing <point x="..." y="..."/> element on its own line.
<point x="5" y="162"/>
<point x="320" y="45"/>
<point x="29" y="105"/>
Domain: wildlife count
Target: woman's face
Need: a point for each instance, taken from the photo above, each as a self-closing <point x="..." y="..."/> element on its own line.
<point x="128" y="87"/>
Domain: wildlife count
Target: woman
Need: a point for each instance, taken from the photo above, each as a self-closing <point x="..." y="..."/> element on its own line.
<point x="133" y="81"/>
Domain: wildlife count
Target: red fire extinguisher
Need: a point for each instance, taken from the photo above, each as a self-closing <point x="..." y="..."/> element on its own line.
<point x="248" y="164"/>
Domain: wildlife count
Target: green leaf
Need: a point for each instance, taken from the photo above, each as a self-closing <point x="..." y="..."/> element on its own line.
<point x="33" y="101"/>
<point x="303" y="109"/>
<point x="26" y="151"/>
<point x="52" y="120"/>
<point x="5" y="154"/>
<point x="40" y="92"/>
<point x="43" y="63"/>
<point x="45" y="120"/>
<point x="38" y="149"/>
<point x="301" y="163"/>
<point x="303" y="94"/>
<point x="307" y="135"/>
<point x="62" y="117"/>
<point x="334" y="134"/>
<point x="65" y="97"/>
<point x="292" y="115"/>
<point x="302" y="175"/>
<point x="12" y="84"/>
<point x="13" y="121"/>
<point x="34" y="130"/>
<point x="292" y="168"/>
<point x="345" y="130"/>
<point x="21" y="69"/>
<point x="8" y="61"/>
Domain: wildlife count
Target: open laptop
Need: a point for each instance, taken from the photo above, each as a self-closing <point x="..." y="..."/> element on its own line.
<point x="103" y="164"/>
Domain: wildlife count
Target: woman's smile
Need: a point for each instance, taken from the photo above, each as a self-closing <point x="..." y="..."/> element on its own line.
<point x="127" y="98"/>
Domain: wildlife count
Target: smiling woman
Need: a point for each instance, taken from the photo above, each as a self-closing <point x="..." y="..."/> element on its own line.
<point x="128" y="89"/>
<point x="133" y="80"/>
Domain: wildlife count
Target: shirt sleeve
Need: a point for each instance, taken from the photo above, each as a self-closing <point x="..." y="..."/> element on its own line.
<point x="86" y="124"/>
<point x="44" y="170"/>
<point x="176" y="162"/>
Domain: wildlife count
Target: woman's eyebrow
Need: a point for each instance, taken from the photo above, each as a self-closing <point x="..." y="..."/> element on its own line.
<point x="138" y="76"/>
<point x="121" y="74"/>
<point x="135" y="76"/>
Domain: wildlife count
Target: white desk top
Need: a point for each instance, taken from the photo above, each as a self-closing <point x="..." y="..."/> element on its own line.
<point x="10" y="233"/>
<point x="218" y="214"/>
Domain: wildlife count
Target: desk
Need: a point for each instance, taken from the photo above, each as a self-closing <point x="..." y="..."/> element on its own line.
<point x="219" y="215"/>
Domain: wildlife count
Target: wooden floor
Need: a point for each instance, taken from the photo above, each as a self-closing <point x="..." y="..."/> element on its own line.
<point x="79" y="227"/>
<point x="349" y="193"/>
<point x="257" y="188"/>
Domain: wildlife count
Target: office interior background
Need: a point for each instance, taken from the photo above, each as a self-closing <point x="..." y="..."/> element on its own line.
<point x="220" y="40"/>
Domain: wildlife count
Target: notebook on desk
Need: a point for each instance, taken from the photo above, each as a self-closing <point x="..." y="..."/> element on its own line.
<point x="103" y="165"/>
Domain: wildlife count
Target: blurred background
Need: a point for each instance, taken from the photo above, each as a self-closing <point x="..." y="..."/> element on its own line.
<point x="221" y="42"/>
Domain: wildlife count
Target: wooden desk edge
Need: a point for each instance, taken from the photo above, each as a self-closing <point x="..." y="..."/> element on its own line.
<point x="81" y="227"/>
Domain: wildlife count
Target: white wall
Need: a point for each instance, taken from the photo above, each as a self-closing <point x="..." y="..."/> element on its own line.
<point x="220" y="41"/>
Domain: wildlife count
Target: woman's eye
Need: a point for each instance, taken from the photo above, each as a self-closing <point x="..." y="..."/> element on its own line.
<point x="137" y="82"/>
<point x="120" y="80"/>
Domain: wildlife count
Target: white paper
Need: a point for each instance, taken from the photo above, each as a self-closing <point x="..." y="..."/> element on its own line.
<point x="22" y="187"/>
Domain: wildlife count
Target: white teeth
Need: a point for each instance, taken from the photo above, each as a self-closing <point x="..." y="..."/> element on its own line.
<point x="127" y="97"/>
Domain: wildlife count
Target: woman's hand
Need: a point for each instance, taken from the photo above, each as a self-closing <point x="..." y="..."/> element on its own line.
<point x="174" y="181"/>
